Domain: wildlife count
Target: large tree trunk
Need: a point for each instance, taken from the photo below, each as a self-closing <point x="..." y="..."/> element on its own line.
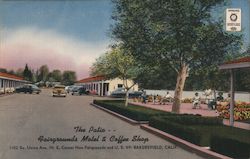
<point x="181" y="78"/>
<point x="126" y="98"/>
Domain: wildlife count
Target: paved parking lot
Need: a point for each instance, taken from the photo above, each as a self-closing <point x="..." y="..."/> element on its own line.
<point x="30" y="123"/>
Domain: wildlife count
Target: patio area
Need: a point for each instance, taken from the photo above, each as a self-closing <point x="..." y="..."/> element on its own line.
<point x="186" y="108"/>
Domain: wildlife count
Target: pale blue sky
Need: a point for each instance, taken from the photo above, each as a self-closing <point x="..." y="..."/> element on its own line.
<point x="73" y="32"/>
<point x="88" y="20"/>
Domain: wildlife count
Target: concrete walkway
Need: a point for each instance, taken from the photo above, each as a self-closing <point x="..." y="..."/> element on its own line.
<point x="187" y="108"/>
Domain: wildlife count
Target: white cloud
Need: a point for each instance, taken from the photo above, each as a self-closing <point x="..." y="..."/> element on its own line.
<point x="29" y="43"/>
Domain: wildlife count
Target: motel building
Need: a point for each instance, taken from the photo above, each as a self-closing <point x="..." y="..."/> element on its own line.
<point x="103" y="87"/>
<point x="8" y="82"/>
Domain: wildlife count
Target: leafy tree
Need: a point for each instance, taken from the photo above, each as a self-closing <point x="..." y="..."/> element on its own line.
<point x="243" y="80"/>
<point x="55" y="76"/>
<point x="68" y="77"/>
<point x="209" y="77"/>
<point x="157" y="77"/>
<point x="180" y="33"/>
<point x="19" y="72"/>
<point x="3" y="70"/>
<point x="12" y="72"/>
<point x="117" y="64"/>
<point x="27" y="74"/>
<point x="248" y="51"/>
<point x="43" y="73"/>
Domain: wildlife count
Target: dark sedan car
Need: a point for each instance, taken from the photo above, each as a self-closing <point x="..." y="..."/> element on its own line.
<point x="28" y="88"/>
<point x="79" y="90"/>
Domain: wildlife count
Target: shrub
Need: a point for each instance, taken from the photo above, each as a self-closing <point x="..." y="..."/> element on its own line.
<point x="133" y="112"/>
<point x="187" y="133"/>
<point x="194" y="120"/>
<point x="230" y="147"/>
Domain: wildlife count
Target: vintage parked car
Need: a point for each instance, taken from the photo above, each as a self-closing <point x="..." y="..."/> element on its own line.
<point x="59" y="91"/>
<point x="121" y="93"/>
<point x="79" y="90"/>
<point x="28" y="88"/>
<point x="69" y="88"/>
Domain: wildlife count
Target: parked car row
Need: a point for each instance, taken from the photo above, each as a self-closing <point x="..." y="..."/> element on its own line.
<point x="73" y="90"/>
<point x="121" y="93"/>
<point x="61" y="90"/>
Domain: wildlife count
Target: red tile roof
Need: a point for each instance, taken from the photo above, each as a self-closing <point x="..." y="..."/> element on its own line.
<point x="6" y="75"/>
<point x="91" y="79"/>
<point x="241" y="60"/>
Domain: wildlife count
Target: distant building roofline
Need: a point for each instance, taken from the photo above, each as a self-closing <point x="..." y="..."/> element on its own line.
<point x="10" y="76"/>
<point x="92" y="79"/>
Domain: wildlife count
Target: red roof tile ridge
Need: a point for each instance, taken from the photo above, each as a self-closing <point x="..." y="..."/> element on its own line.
<point x="240" y="60"/>
<point x="7" y="75"/>
<point x="91" y="79"/>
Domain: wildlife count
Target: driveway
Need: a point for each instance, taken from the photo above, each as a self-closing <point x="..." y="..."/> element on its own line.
<point x="46" y="127"/>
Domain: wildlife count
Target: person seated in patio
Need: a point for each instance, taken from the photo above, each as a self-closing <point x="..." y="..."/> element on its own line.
<point x="226" y="102"/>
<point x="220" y="96"/>
<point x="150" y="98"/>
<point x="157" y="98"/>
<point x="166" y="99"/>
<point x="228" y="99"/>
<point x="196" y="101"/>
<point x="219" y="99"/>
<point x="144" y="97"/>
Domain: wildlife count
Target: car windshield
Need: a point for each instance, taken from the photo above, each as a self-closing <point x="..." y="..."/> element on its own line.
<point x="120" y="89"/>
<point x="77" y="87"/>
<point x="59" y="87"/>
<point x="34" y="86"/>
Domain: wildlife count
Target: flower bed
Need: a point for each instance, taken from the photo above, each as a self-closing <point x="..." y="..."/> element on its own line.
<point x="241" y="111"/>
<point x="187" y="100"/>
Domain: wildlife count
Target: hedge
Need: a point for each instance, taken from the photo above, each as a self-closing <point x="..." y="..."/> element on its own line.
<point x="194" y="120"/>
<point x="133" y="112"/>
<point x="230" y="147"/>
<point x="203" y="131"/>
<point x="187" y="133"/>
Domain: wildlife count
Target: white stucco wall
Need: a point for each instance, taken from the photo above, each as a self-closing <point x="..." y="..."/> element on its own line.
<point x="113" y="84"/>
<point x="239" y="96"/>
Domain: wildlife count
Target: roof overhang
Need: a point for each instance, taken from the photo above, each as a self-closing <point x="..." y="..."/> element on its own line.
<point x="234" y="66"/>
<point x="243" y="62"/>
<point x="92" y="79"/>
<point x="12" y="79"/>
